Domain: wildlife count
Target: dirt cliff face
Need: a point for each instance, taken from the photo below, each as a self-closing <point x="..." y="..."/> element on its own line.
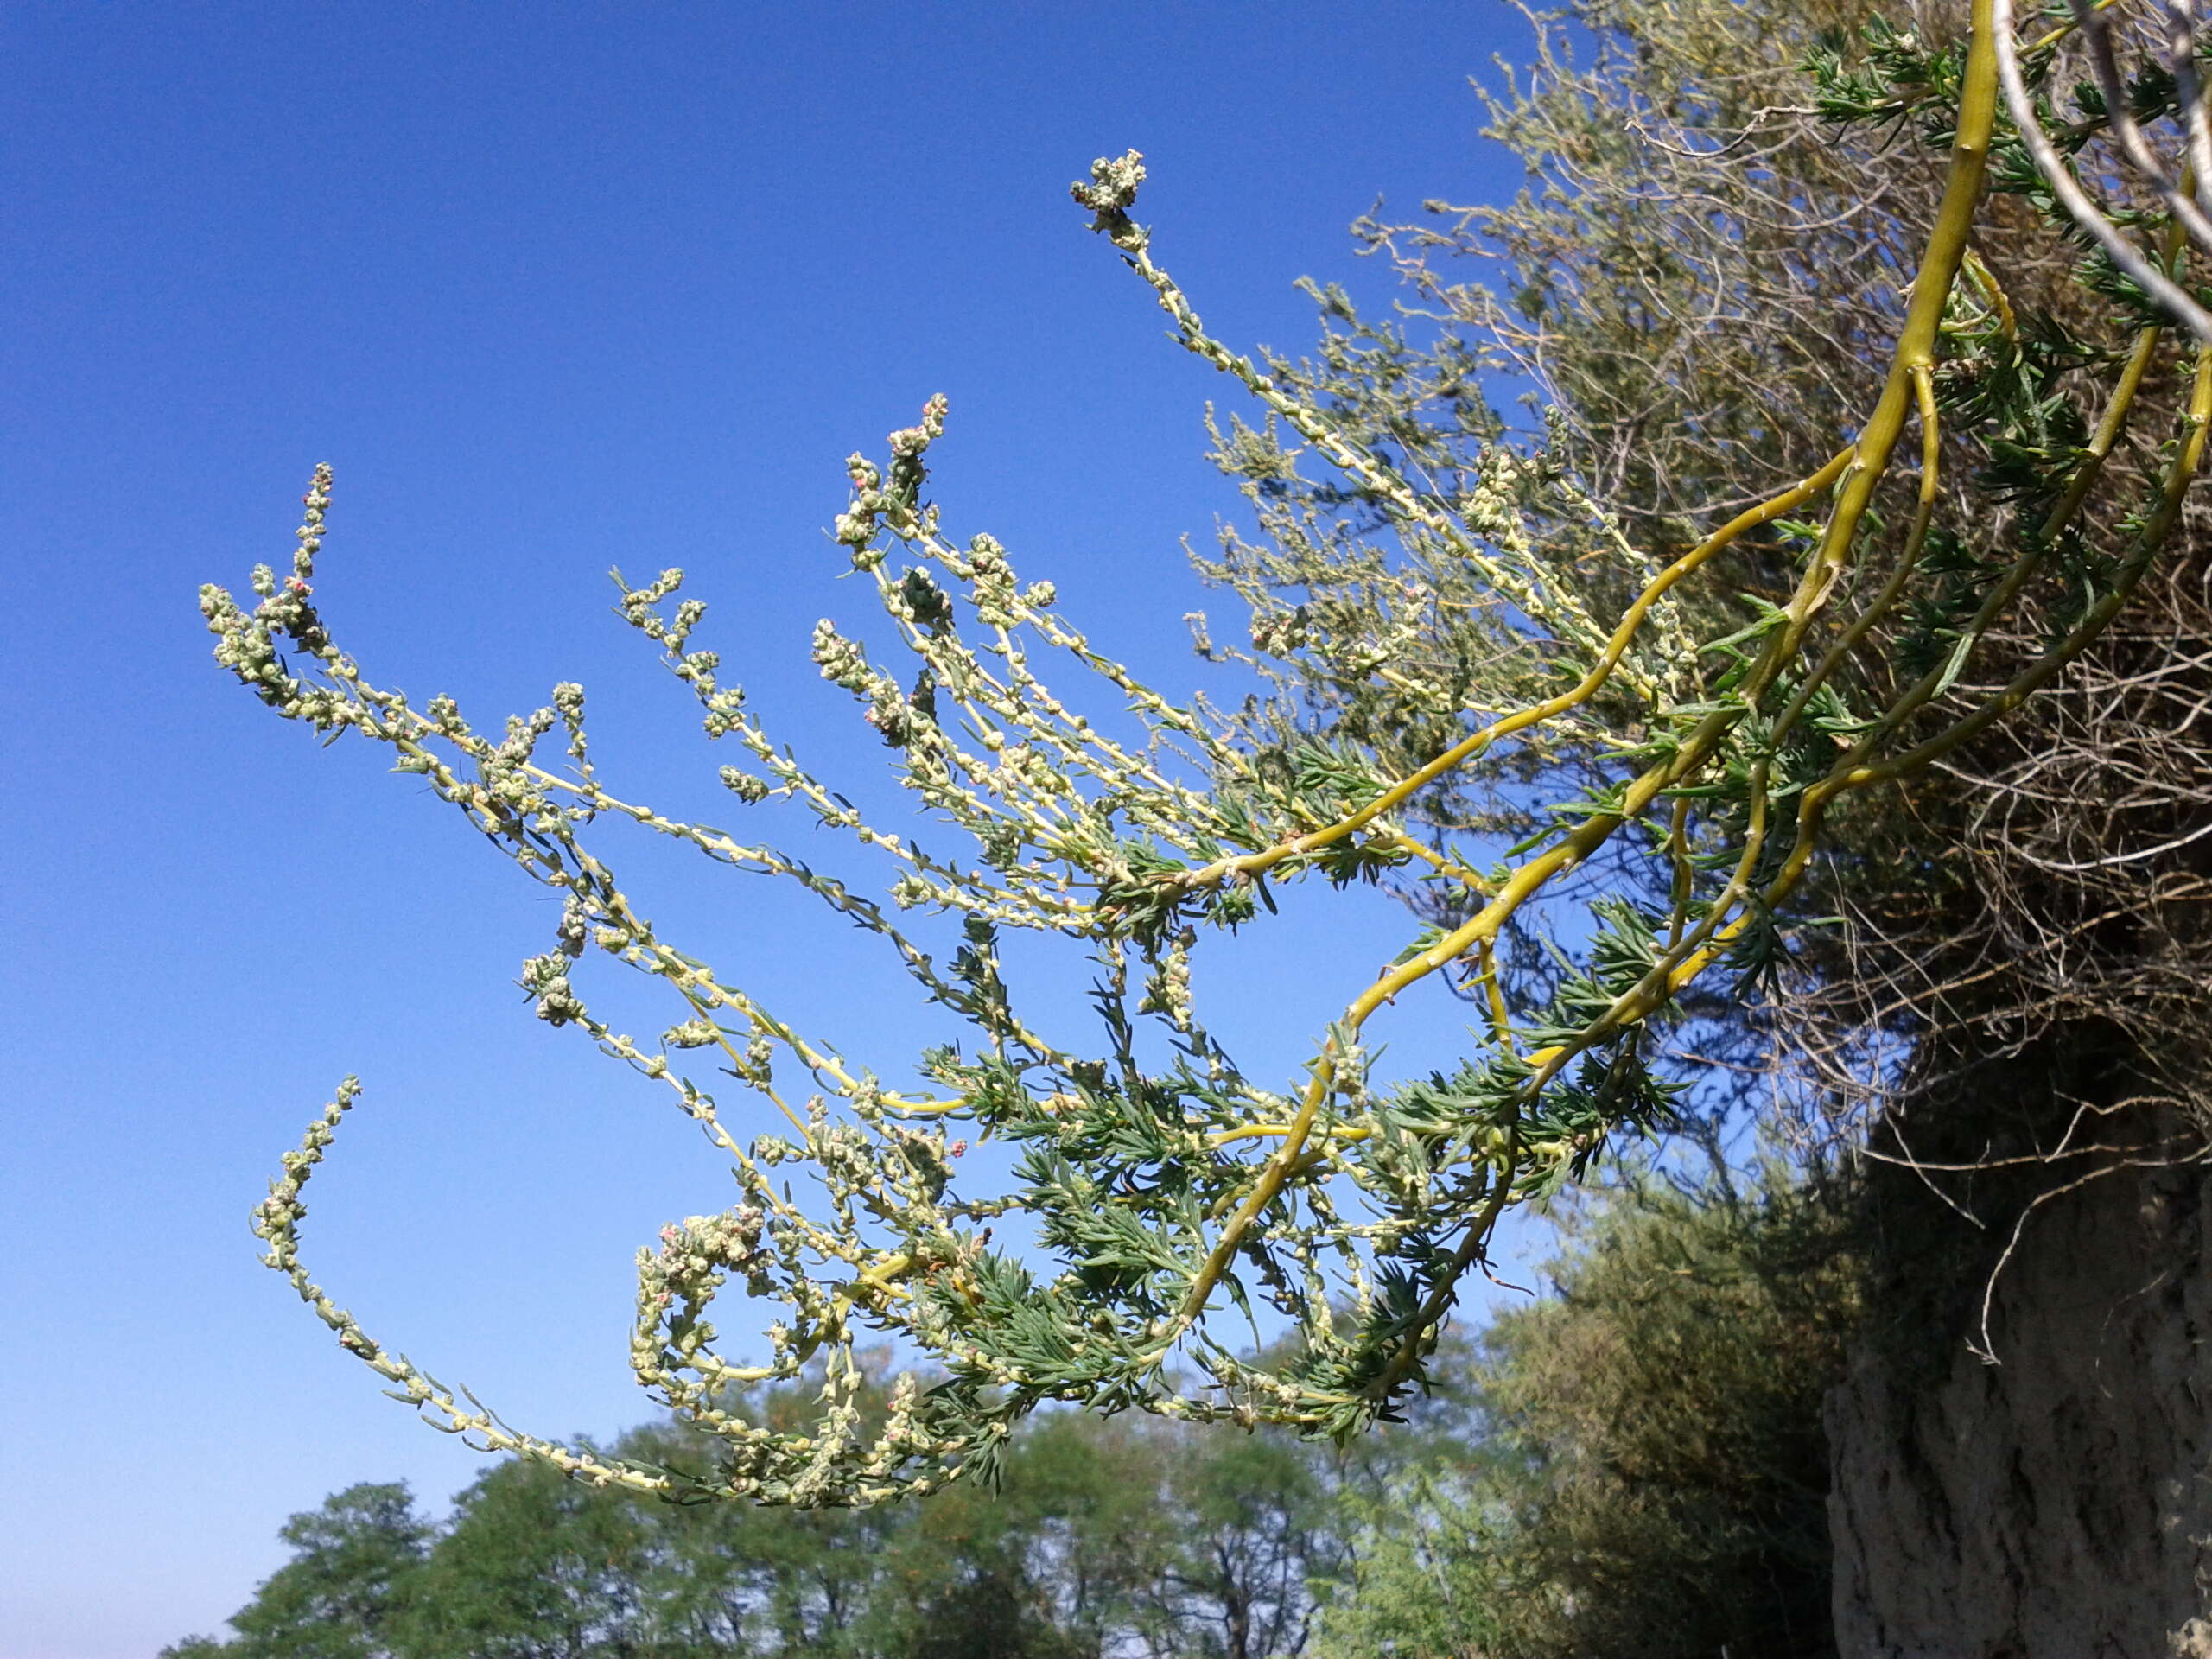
<point x="2056" y="1504"/>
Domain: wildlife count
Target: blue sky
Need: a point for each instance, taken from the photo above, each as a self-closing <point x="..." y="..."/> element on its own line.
<point x="553" y="289"/>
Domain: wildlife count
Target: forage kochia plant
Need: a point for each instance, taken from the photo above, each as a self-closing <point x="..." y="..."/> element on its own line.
<point x="1165" y="1201"/>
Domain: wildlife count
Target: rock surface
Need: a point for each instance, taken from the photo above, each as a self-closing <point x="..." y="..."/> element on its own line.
<point x="2056" y="1504"/>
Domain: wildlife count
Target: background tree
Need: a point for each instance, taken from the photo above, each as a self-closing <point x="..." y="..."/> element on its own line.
<point x="1105" y="1537"/>
<point x="1631" y="1465"/>
<point x="357" y="1567"/>
<point x="1255" y="1529"/>
<point x="533" y="1567"/>
<point x="1647" y="1473"/>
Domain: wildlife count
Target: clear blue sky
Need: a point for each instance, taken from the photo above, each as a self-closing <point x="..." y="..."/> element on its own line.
<point x="553" y="287"/>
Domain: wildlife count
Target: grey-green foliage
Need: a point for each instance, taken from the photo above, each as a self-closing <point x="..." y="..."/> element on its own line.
<point x="1674" y="755"/>
<point x="1651" y="1477"/>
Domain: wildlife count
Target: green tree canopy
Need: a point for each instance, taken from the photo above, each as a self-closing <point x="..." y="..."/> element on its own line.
<point x="1649" y="1475"/>
<point x="1104" y="1537"/>
<point x="355" y="1565"/>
